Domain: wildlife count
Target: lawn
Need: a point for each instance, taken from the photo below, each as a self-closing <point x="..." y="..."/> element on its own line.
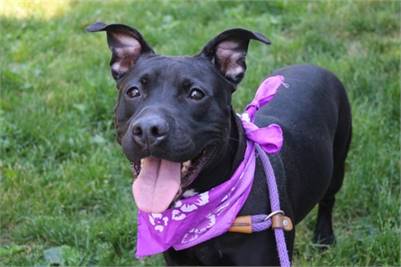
<point x="64" y="182"/>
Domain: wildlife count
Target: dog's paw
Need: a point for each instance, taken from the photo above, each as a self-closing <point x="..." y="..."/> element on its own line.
<point x="324" y="241"/>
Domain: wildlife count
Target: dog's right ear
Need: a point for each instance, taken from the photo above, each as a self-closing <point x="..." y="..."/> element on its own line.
<point x="126" y="45"/>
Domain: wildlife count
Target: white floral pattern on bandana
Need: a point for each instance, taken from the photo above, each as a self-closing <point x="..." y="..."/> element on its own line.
<point x="158" y="221"/>
<point x="180" y="210"/>
<point x="194" y="233"/>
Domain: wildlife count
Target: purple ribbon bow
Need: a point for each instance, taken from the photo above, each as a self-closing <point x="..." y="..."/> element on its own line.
<point x="270" y="138"/>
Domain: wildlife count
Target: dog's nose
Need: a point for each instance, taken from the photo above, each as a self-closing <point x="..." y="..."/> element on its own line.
<point x="149" y="130"/>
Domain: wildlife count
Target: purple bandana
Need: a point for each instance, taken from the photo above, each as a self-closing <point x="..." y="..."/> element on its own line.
<point x="201" y="217"/>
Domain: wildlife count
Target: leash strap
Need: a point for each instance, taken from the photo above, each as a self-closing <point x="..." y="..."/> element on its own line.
<point x="275" y="206"/>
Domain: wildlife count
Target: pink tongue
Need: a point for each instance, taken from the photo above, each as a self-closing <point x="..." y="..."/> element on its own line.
<point x="157" y="184"/>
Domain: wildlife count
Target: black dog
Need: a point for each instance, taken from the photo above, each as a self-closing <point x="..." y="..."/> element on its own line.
<point x="178" y="109"/>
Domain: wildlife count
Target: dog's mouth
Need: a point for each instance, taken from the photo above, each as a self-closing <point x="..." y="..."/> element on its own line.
<point x="159" y="182"/>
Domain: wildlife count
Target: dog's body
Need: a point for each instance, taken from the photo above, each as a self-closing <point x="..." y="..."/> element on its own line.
<point x="165" y="118"/>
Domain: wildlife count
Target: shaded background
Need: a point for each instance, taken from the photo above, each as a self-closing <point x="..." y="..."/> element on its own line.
<point x="64" y="183"/>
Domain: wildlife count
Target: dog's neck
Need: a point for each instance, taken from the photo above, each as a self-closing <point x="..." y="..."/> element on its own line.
<point x="225" y="161"/>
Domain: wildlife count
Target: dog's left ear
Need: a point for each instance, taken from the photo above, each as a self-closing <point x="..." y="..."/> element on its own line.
<point x="227" y="51"/>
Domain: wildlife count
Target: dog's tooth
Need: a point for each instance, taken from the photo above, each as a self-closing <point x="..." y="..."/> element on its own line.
<point x="185" y="166"/>
<point x="184" y="170"/>
<point x="189" y="193"/>
<point x="186" y="163"/>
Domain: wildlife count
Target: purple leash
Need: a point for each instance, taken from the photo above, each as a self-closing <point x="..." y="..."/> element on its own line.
<point x="261" y="222"/>
<point x="275" y="206"/>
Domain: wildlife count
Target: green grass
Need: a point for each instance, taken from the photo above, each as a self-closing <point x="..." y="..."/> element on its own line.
<point x="65" y="184"/>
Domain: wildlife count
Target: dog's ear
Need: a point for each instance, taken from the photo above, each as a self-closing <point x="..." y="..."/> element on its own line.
<point x="227" y="51"/>
<point x="126" y="45"/>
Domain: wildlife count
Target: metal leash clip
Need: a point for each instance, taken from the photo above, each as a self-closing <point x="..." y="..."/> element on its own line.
<point x="279" y="220"/>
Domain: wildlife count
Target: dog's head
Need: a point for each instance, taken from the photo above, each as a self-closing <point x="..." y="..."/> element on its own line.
<point x="173" y="115"/>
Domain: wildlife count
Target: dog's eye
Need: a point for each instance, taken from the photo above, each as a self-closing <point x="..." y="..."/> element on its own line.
<point x="133" y="92"/>
<point x="144" y="80"/>
<point x="196" y="94"/>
